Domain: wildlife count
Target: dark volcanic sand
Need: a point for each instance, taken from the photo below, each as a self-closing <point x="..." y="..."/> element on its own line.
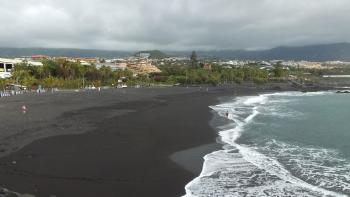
<point x="120" y="142"/>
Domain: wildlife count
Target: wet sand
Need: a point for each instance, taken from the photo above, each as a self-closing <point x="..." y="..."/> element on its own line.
<point x="109" y="143"/>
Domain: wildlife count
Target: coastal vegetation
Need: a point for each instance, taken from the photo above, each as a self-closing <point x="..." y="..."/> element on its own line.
<point x="63" y="74"/>
<point x="217" y="75"/>
<point x="68" y="74"/>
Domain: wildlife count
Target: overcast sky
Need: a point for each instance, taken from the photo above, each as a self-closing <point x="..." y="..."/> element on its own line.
<point x="172" y="24"/>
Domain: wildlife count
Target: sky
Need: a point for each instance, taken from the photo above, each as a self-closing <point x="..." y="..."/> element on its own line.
<point x="173" y="24"/>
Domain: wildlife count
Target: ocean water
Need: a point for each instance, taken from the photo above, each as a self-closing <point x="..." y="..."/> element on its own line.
<point x="282" y="144"/>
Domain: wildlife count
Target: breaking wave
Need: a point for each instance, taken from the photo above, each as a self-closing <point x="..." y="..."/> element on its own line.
<point x="275" y="169"/>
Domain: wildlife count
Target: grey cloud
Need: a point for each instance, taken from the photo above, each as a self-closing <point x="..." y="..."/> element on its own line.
<point x="172" y="24"/>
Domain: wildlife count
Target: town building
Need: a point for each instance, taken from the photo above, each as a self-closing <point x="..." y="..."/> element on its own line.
<point x="7" y="66"/>
<point x="207" y="67"/>
<point x="142" y="66"/>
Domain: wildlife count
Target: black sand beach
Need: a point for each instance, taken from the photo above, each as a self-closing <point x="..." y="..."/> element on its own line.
<point x="109" y="143"/>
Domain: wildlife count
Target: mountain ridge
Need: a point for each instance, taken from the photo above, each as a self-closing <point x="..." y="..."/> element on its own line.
<point x="320" y="52"/>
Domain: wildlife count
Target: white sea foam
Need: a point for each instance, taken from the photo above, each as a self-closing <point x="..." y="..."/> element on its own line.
<point x="298" y="94"/>
<point x="240" y="170"/>
<point x="320" y="166"/>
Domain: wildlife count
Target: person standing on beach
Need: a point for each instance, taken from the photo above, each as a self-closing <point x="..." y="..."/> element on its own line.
<point x="24" y="109"/>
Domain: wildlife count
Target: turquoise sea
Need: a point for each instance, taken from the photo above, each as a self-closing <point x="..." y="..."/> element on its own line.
<point x="281" y="144"/>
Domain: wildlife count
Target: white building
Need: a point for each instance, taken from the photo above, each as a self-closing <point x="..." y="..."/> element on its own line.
<point x="7" y="65"/>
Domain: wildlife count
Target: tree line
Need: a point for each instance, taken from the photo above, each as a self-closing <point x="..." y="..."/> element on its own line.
<point x="194" y="73"/>
<point x="67" y="74"/>
<point x="64" y="74"/>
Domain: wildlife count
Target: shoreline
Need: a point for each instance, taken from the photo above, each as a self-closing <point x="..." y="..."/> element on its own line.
<point x="220" y="168"/>
<point x="127" y="136"/>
